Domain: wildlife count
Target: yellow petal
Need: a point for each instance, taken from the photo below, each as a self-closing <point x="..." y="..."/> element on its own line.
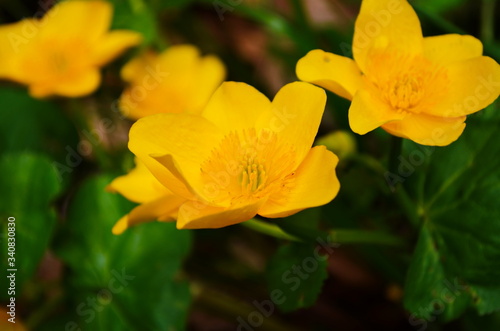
<point x="427" y="130"/>
<point x="137" y="101"/>
<point x="295" y="116"/>
<point x="76" y="85"/>
<point x="14" y="39"/>
<point x="210" y="74"/>
<point x="338" y="74"/>
<point x="177" y="68"/>
<point x="195" y="180"/>
<point x="367" y="113"/>
<point x="190" y="176"/>
<point x="178" y="80"/>
<point x="135" y="69"/>
<point x="236" y="106"/>
<point x="86" y="20"/>
<point x="315" y="184"/>
<point x="451" y="48"/>
<point x="113" y="44"/>
<point x="197" y="215"/>
<point x="178" y="59"/>
<point x="385" y="25"/>
<point x="189" y="138"/>
<point x="160" y="208"/>
<point x="473" y="85"/>
<point x="139" y="185"/>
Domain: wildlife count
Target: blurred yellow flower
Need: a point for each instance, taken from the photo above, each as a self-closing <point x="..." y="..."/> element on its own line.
<point x="8" y="314"/>
<point x="342" y="143"/>
<point x="156" y="201"/>
<point x="61" y="54"/>
<point x="177" y="80"/>
<point x="243" y="156"/>
<point x="413" y="87"/>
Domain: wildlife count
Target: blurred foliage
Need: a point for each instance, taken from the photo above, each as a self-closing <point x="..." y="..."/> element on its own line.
<point x="458" y="202"/>
<point x="144" y="19"/>
<point x="24" y="174"/>
<point x="436" y="235"/>
<point x="137" y="277"/>
<point x="34" y="125"/>
<point x="439" y="6"/>
<point x="298" y="274"/>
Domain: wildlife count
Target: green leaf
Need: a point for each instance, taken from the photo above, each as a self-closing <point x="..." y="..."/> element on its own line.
<point x="430" y="291"/>
<point x="295" y="276"/>
<point x="132" y="277"/>
<point x="456" y="193"/>
<point x="28" y="185"/>
<point x="34" y="125"/>
<point x="472" y="322"/>
<point x="135" y="15"/>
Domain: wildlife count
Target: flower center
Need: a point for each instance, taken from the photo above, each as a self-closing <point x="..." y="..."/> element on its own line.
<point x="247" y="165"/>
<point x="253" y="174"/>
<point x="57" y="59"/>
<point x="405" y="92"/>
<point x="405" y="83"/>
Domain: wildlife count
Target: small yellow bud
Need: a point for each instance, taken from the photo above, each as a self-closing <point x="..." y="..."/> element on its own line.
<point x="339" y="142"/>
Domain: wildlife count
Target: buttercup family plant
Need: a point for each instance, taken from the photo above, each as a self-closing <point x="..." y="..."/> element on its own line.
<point x="413" y="87"/>
<point x="178" y="80"/>
<point x="244" y="156"/>
<point x="69" y="50"/>
<point x="149" y="186"/>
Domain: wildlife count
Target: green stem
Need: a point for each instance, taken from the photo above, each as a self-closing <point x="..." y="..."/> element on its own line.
<point x="394" y="154"/>
<point x="368" y="162"/>
<point x="269" y="229"/>
<point x="37" y="317"/>
<point x="437" y="20"/>
<point x="137" y="5"/>
<point x="408" y="205"/>
<point x="404" y="201"/>
<point x="339" y="236"/>
<point x="490" y="49"/>
<point x="275" y="24"/>
<point x="365" y="237"/>
<point x="399" y="192"/>
<point x="300" y="14"/>
<point x="488" y="21"/>
<point x="83" y="123"/>
<point x="230" y="307"/>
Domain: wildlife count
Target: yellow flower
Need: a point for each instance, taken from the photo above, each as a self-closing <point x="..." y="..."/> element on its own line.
<point x="413" y="87"/>
<point x="243" y="156"/>
<point x="61" y="54"/>
<point x="156" y="201"/>
<point x="177" y="80"/>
